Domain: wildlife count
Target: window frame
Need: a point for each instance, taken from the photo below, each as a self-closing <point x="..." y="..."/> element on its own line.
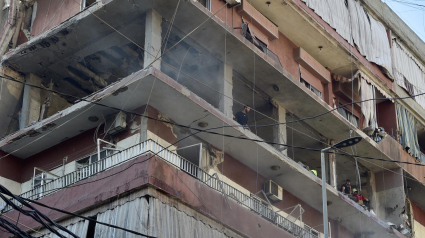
<point x="84" y="4"/>
<point x="38" y="189"/>
<point x="89" y="157"/>
<point x="348" y="113"/>
<point x="311" y="88"/>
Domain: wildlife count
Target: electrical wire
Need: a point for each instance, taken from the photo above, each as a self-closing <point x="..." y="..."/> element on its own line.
<point x="286" y="122"/>
<point x="179" y="70"/>
<point x="26" y="201"/>
<point x="255" y="140"/>
<point x="33" y="213"/>
<point x="275" y="124"/>
<point x="13" y="229"/>
<point x="24" y="225"/>
<point x="238" y="137"/>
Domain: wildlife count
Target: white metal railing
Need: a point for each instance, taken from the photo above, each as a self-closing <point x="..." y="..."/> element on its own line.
<point x="135" y="151"/>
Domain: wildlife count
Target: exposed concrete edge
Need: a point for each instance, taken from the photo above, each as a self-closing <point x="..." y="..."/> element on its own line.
<point x="53" y="31"/>
<point x="98" y="96"/>
<point x="48" y="123"/>
<point x="283" y="158"/>
<point x="208" y="107"/>
<point x="393" y="22"/>
<point x="150" y="190"/>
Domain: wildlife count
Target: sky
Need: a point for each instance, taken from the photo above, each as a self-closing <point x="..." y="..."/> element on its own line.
<point x="413" y="16"/>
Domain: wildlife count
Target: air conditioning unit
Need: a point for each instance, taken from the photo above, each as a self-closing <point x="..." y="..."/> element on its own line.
<point x="233" y="2"/>
<point x="273" y="191"/>
<point x="116" y="123"/>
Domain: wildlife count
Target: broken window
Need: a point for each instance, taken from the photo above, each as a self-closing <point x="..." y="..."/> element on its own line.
<point x="86" y="3"/>
<point x="206" y="4"/>
<point x="313" y="89"/>
<point x="91" y="159"/>
<point x="348" y="115"/>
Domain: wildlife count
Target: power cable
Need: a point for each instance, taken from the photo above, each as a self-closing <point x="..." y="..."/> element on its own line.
<point x="24" y="225"/>
<point x="33" y="213"/>
<point x="255" y="140"/>
<point x="13" y="229"/>
<point x="238" y="137"/>
<point x="169" y="65"/>
<point x="25" y="201"/>
<point x="179" y="70"/>
<point x="280" y="123"/>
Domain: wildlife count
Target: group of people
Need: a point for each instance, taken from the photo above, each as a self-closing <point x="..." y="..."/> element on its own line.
<point x="353" y="193"/>
<point x="242" y="118"/>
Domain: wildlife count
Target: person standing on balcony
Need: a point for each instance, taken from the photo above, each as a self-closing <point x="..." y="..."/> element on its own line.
<point x="242" y="117"/>
<point x="346" y="188"/>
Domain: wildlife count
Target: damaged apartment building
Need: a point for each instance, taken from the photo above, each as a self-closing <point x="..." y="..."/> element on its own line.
<point x="122" y="111"/>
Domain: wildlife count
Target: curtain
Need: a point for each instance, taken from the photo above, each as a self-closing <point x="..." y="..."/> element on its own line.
<point x="366" y="33"/>
<point x="132" y="215"/>
<point x="409" y="72"/>
<point x="409" y="135"/>
<point x="79" y="228"/>
<point x="367" y="92"/>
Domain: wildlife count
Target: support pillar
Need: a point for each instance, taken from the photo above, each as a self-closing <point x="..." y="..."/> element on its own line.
<point x="31" y="103"/>
<point x="332" y="166"/>
<point x="10" y="97"/>
<point x="144" y="127"/>
<point x="153" y="39"/>
<point x="226" y="102"/>
<point x="390" y="195"/>
<point x="279" y="131"/>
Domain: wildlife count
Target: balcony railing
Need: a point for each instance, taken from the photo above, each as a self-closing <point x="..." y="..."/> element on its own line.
<point x="151" y="146"/>
<point x="260" y="45"/>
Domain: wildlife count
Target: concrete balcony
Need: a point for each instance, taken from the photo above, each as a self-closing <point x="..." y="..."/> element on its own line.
<point x="153" y="149"/>
<point x="191" y="107"/>
<point x="241" y="55"/>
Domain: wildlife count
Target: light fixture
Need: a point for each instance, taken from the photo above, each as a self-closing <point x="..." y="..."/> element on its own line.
<point x="268" y="3"/>
<point x="276" y="88"/>
<point x="275" y="167"/>
<point x="93" y="118"/>
<point x="345" y="143"/>
<point x="203" y="124"/>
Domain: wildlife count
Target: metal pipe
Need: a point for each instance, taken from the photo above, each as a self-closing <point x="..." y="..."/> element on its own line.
<point x="324" y="195"/>
<point x="98" y="151"/>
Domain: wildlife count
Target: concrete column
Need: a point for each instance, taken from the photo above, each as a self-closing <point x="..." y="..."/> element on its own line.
<point x="226" y="102"/>
<point x="31" y="103"/>
<point x="390" y="195"/>
<point x="10" y="105"/>
<point x="370" y="190"/>
<point x="153" y="39"/>
<point x="280" y="132"/>
<point x="332" y="166"/>
<point x="144" y="128"/>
